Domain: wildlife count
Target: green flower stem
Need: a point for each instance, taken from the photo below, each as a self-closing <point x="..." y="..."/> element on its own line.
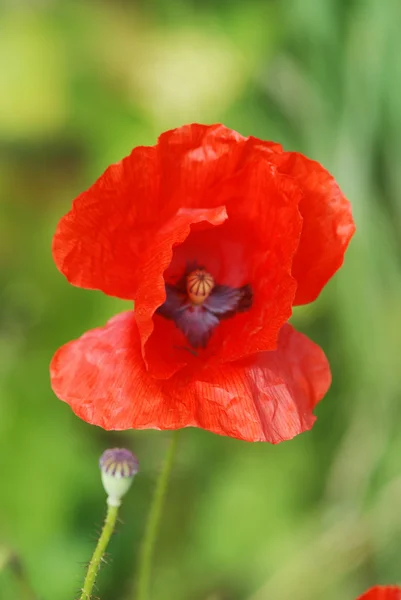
<point x="108" y="528"/>
<point x="152" y="525"/>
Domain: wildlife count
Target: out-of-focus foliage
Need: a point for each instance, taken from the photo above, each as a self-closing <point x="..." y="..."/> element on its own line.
<point x="81" y="83"/>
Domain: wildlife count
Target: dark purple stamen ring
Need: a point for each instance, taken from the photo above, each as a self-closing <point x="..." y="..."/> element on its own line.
<point x="197" y="311"/>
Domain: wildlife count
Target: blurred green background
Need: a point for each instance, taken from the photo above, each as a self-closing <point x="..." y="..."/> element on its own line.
<point x="81" y="83"/>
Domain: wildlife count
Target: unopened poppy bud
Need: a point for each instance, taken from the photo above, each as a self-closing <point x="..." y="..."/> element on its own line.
<point x="118" y="467"/>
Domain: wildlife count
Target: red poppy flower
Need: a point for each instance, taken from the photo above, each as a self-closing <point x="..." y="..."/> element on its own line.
<point x="215" y="236"/>
<point x="382" y="593"/>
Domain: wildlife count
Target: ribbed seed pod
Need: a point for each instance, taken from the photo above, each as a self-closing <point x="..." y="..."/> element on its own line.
<point x="199" y="286"/>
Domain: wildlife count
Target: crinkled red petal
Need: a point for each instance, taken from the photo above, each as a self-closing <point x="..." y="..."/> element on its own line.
<point x="254" y="246"/>
<point x="151" y="292"/>
<point x="100" y="242"/>
<point x="97" y="244"/>
<point x="267" y="397"/>
<point x="327" y="225"/>
<point x="262" y="207"/>
<point x="194" y="158"/>
<point x="389" y="592"/>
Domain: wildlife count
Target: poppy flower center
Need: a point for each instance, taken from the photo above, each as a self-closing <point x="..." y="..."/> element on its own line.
<point x="199" y="286"/>
<point x="197" y="304"/>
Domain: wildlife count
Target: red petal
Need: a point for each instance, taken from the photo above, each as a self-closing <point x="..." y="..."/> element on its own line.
<point x="103" y="378"/>
<point x="268" y="397"/>
<point x="254" y="246"/>
<point x="194" y="158"/>
<point x="327" y="225"/>
<point x="98" y="243"/>
<point x="382" y="593"/>
<point x="151" y="292"/>
<point x="262" y="207"/>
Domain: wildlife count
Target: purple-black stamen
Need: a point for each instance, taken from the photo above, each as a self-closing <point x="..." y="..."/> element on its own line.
<point x="197" y="311"/>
